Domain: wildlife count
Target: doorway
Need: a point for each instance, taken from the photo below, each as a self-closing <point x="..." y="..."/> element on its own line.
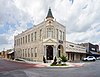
<point x="49" y="52"/>
<point x="60" y="50"/>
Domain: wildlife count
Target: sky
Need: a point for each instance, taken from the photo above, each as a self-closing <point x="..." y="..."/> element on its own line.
<point x="81" y="18"/>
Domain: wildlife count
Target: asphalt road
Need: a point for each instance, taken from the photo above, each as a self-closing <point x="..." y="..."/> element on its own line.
<point x="7" y="65"/>
<point x="90" y="69"/>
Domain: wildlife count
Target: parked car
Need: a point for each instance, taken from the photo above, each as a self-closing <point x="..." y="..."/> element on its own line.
<point x="98" y="58"/>
<point x="89" y="58"/>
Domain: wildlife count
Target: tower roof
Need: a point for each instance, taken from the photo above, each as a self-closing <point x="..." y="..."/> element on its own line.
<point x="49" y="14"/>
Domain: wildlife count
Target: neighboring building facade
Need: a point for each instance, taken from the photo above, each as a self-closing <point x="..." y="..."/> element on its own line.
<point x="47" y="39"/>
<point x="0" y="54"/>
<point x="75" y="52"/>
<point x="92" y="50"/>
<point x="3" y="54"/>
<point x="8" y="54"/>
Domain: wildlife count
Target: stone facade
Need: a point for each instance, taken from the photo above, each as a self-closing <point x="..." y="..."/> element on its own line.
<point x="47" y="39"/>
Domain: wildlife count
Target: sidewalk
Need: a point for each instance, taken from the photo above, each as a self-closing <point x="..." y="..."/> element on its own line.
<point x="41" y="64"/>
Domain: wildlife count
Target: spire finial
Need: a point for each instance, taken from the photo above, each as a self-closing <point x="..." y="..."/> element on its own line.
<point x="49" y="14"/>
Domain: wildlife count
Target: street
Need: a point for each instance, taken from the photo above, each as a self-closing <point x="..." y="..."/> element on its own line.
<point x="90" y="69"/>
<point x="6" y="65"/>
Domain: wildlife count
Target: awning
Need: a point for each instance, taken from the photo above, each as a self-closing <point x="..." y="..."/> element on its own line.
<point x="94" y="53"/>
<point x="76" y="52"/>
<point x="11" y="52"/>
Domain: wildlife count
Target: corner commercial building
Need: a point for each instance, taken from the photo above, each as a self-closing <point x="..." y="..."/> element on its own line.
<point x="47" y="39"/>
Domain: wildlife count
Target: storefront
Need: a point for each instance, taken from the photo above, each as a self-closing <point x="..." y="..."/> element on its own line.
<point x="75" y="56"/>
<point x="75" y="52"/>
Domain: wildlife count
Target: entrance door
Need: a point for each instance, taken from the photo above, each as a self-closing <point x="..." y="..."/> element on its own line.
<point x="49" y="52"/>
<point x="60" y="50"/>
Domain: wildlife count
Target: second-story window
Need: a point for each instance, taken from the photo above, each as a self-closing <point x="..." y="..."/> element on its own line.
<point x="57" y="33"/>
<point x="26" y="39"/>
<point x="49" y="32"/>
<point x="15" y="43"/>
<point x="40" y="34"/>
<point x="60" y="35"/>
<point x="29" y="38"/>
<point x="23" y="40"/>
<point x="35" y="35"/>
<point x="63" y="35"/>
<point x="19" y="42"/>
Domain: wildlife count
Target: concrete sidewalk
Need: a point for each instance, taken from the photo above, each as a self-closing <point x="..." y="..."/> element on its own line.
<point x="41" y="64"/>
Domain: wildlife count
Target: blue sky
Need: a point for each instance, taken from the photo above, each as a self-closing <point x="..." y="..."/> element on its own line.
<point x="81" y="18"/>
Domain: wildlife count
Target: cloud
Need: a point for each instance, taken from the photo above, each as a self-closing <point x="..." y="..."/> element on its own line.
<point x="91" y="35"/>
<point x="3" y="39"/>
<point x="81" y="18"/>
<point x="12" y="21"/>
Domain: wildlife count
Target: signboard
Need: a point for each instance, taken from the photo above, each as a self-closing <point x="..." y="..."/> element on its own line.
<point x="92" y="47"/>
<point x="60" y="41"/>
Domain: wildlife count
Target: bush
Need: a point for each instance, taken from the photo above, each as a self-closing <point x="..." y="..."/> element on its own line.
<point x="63" y="59"/>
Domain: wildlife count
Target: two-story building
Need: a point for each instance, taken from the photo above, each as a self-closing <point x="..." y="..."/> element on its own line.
<point x="47" y="39"/>
<point x="91" y="49"/>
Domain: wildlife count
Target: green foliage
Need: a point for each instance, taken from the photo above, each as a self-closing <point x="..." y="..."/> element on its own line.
<point x="63" y="59"/>
<point x="58" y="64"/>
